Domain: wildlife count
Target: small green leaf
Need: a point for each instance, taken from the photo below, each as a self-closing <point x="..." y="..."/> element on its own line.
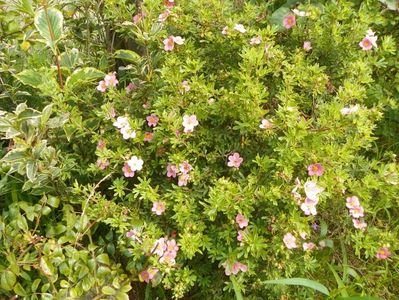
<point x="49" y="23"/>
<point x="31" y="170"/>
<point x="128" y="55"/>
<point x="46" y="266"/>
<point x="107" y="290"/>
<point x="81" y="76"/>
<point x="8" y="279"/>
<point x="122" y="296"/>
<point x="53" y="201"/>
<point x="30" y="77"/>
<point x="35" y="285"/>
<point x="19" y="290"/>
<point x="103" y="258"/>
<point x="302" y="282"/>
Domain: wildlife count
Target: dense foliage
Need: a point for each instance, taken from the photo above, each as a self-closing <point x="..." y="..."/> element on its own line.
<point x="199" y="149"/>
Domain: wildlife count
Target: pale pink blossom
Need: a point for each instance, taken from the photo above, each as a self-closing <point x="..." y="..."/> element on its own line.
<point x="185" y="167"/>
<point x="369" y="41"/>
<point x="312" y="190"/>
<point x="127" y="171"/>
<point x="128" y="133"/>
<point x="102" y="163"/>
<point x="290" y="241"/>
<point x="241" y="221"/>
<point x="308" y="246"/>
<point x="266" y="124"/>
<point x="148" y="136"/>
<point x="240" y="235"/>
<point x="307" y="46"/>
<point x="255" y="40"/>
<point x="168" y="258"/>
<point x="303" y="235"/>
<point x="186" y="86"/>
<point x="309" y="207"/>
<point x="137" y="18"/>
<point x="383" y="253"/>
<point x="134" y="234"/>
<point x="289" y="21"/>
<point x="183" y="179"/>
<point x="163" y="16"/>
<point x="357" y="212"/>
<point x="235" y="160"/>
<point x="189" y="122"/>
<point x="234" y="268"/>
<point x="225" y="30"/>
<point x="349" y="110"/>
<point x="159" y="247"/>
<point x="168" y="43"/>
<point x="102" y="87"/>
<point x="359" y="224"/>
<point x="135" y="163"/>
<point x="315" y="169"/>
<point x="301" y="13"/>
<point x="148" y="275"/>
<point x="158" y="207"/>
<point x="352" y="202"/>
<point x="152" y="120"/>
<point x="110" y="79"/>
<point x="178" y="40"/>
<point x="171" y="246"/>
<point x="121" y="122"/>
<point x="171" y="170"/>
<point x="101" y="144"/>
<point x="130" y="87"/>
<point x="146" y="105"/>
<point x="240" y="28"/>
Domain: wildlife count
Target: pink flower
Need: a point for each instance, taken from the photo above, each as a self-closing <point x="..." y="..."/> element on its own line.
<point x="102" y="163"/>
<point x="224" y="31"/>
<point x="357" y="212"/>
<point x="240" y="28"/>
<point x="171" y="246"/>
<point x="185" y="167"/>
<point x="110" y="79"/>
<point x="309" y="207"/>
<point x="186" y="86"/>
<point x="308" y="246"/>
<point x="168" y="43"/>
<point x="152" y="120"/>
<point x="307" y="46"/>
<point x="183" y="180"/>
<point x="163" y="16"/>
<point x="303" y="235"/>
<point x="352" y="202"/>
<point x="240" y="235"/>
<point x="359" y="224"/>
<point x="148" y="275"/>
<point x="158" y="208"/>
<point x="101" y="144"/>
<point x="369" y="41"/>
<point x="289" y="21"/>
<point x="255" y="40"/>
<point x="266" y="124"/>
<point x="170" y="3"/>
<point x="137" y="18"/>
<point x="148" y="136"/>
<point x="102" y="87"/>
<point x="168" y="258"/>
<point x="189" y="122"/>
<point x="315" y="169"/>
<point x="235" y="160"/>
<point x="383" y="253"/>
<point x="290" y="241"/>
<point x="146" y="105"/>
<point x="159" y="247"/>
<point x="134" y="235"/>
<point x="171" y="170"/>
<point x="234" y="268"/>
<point x="178" y="40"/>
<point x="127" y="172"/>
<point x="130" y="87"/>
<point x="312" y="190"/>
<point x="241" y="221"/>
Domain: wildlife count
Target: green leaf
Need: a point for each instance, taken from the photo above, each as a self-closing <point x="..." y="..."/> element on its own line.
<point x="53" y="201"/>
<point x="8" y="279"/>
<point x="302" y="282"/>
<point x="70" y="58"/>
<point x="26" y="7"/>
<point x="103" y="258"/>
<point x="19" y="290"/>
<point x="128" y="55"/>
<point x="83" y="75"/>
<point x="35" y="285"/>
<point x="107" y="290"/>
<point x="122" y="296"/>
<point x="30" y="77"/>
<point x="49" y="23"/>
<point x="46" y="266"/>
<point x="31" y="170"/>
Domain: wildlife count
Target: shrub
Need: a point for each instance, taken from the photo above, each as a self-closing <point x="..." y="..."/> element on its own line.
<point x="199" y="149"/>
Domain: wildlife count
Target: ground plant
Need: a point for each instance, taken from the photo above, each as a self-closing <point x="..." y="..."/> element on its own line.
<point x="199" y="149"/>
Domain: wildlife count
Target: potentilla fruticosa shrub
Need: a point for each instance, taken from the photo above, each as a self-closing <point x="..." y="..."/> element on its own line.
<point x="199" y="149"/>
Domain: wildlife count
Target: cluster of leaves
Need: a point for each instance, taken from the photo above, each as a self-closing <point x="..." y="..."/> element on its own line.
<point x="73" y="225"/>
